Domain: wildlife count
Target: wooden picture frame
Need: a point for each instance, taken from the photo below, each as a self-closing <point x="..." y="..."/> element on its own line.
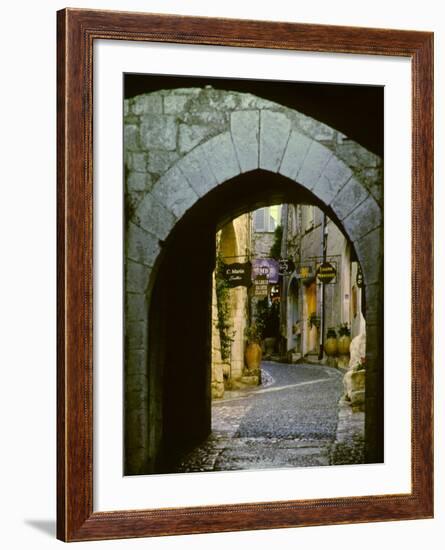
<point x="77" y="31"/>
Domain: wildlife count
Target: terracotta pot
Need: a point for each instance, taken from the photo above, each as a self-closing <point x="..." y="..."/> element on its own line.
<point x="343" y="345"/>
<point x="330" y="346"/>
<point x="253" y="356"/>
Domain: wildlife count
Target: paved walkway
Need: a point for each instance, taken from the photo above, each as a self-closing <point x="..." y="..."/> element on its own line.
<point x="288" y="421"/>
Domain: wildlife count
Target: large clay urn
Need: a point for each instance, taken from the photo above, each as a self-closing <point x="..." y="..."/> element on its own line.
<point x="330" y="346"/>
<point x="253" y="356"/>
<point x="343" y="345"/>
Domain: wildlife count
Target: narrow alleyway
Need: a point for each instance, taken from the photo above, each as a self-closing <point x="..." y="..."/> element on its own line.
<point x="288" y="421"/>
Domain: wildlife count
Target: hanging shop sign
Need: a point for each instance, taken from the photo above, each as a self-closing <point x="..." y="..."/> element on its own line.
<point x="266" y="267"/>
<point x="237" y="274"/>
<point x="275" y="293"/>
<point x="326" y="272"/>
<point x="286" y="266"/>
<point x="359" y="278"/>
<point x="303" y="271"/>
<point x="260" y="286"/>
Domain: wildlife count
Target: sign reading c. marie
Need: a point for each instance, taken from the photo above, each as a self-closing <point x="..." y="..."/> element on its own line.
<point x="237" y="274"/>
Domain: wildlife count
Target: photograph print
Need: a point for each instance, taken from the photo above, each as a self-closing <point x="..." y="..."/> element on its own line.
<point x="253" y="289"/>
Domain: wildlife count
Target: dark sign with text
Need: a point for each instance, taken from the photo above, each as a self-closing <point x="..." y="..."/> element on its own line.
<point x="326" y="272"/>
<point x="286" y="266"/>
<point x="238" y="274"/>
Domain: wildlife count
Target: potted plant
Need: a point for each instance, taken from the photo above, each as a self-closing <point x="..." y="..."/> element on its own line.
<point x="253" y="352"/>
<point x="331" y="345"/>
<point x="344" y="339"/>
<point x="313" y="320"/>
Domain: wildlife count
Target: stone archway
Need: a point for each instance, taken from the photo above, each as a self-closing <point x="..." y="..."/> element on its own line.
<point x="181" y="146"/>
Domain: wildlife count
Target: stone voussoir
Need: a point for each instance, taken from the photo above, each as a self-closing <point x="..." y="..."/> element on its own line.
<point x="154" y="217"/>
<point x="275" y="129"/>
<point x="174" y="192"/>
<point x="142" y="247"/>
<point x="334" y="176"/>
<point x="196" y="169"/>
<point x="245" y="126"/>
<point x="294" y="155"/>
<point x="366" y="217"/>
<point x="313" y="165"/>
<point x="221" y="157"/>
<point x="369" y="250"/>
<point x="351" y="195"/>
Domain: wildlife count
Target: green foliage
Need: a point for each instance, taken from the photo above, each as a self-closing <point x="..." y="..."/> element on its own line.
<point x="344" y="330"/>
<point x="331" y="333"/>
<point x="268" y="318"/>
<point x="313" y="321"/>
<point x="253" y="333"/>
<point x="226" y="336"/>
<point x="275" y="250"/>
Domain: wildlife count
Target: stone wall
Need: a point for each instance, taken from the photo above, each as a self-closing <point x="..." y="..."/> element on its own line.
<point x="233" y="245"/>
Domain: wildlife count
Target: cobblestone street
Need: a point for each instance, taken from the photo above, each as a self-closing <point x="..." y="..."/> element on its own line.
<point x="288" y="421"/>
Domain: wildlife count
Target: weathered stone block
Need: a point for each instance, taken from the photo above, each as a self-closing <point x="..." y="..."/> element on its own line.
<point x="135" y="307"/>
<point x="136" y="334"/>
<point x="245" y="126"/>
<point x="250" y="101"/>
<point x="296" y="151"/>
<point x="174" y="192"/>
<point x="160" y="161"/>
<point x="136" y="276"/>
<point x="333" y="178"/>
<point x="274" y="134"/>
<point x="137" y="162"/>
<point x="196" y="169"/>
<point x="191" y="136"/>
<point x="141" y="247"/>
<point x="373" y="304"/>
<point x="313" y="165"/>
<point x="131" y="137"/>
<point x="175" y="103"/>
<point x="136" y="369"/>
<point x="159" y="132"/>
<point x="136" y="181"/>
<point x="363" y="219"/>
<point x="350" y="196"/>
<point x="147" y="104"/>
<point x="221" y="156"/>
<point x="154" y="217"/>
<point x="370" y="253"/>
<point x="216" y="120"/>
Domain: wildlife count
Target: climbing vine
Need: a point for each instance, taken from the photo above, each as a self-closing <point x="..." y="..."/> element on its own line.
<point x="223" y="324"/>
